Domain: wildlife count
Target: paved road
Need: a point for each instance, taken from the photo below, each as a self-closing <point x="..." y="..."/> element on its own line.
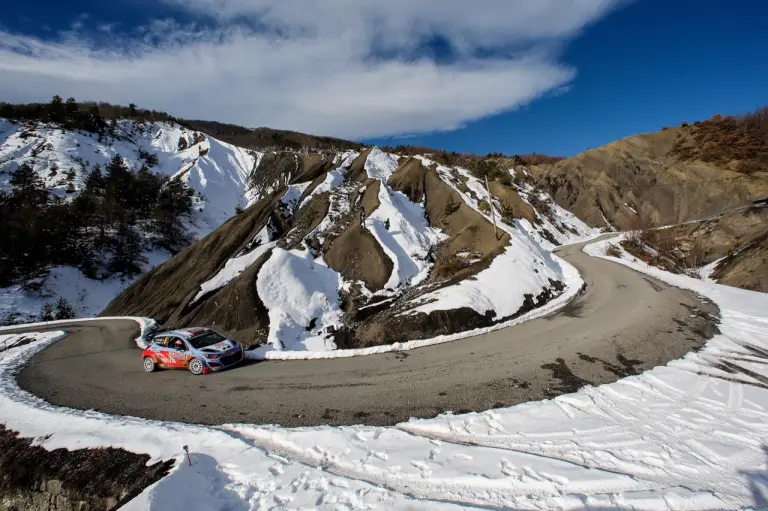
<point x="624" y="323"/>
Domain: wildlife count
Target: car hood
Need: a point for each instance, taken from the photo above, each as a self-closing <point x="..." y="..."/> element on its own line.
<point x="219" y="347"/>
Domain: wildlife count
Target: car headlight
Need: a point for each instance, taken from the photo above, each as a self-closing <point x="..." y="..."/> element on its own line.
<point x="211" y="357"/>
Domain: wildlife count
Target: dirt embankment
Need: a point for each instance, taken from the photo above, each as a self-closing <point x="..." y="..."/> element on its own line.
<point x="647" y="175"/>
<point x="748" y="267"/>
<point x="472" y="243"/>
<point x="674" y="176"/>
<point x="737" y="240"/>
<point x="35" y="479"/>
<point x="470" y="247"/>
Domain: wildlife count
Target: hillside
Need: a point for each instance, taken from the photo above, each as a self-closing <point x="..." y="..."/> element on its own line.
<point x="676" y="175"/>
<point x="671" y="176"/>
<point x="359" y="249"/>
<point x="62" y="160"/>
<point x="57" y="167"/>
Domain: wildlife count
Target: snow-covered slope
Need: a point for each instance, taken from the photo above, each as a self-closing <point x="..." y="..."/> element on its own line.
<point x="364" y="249"/>
<point x="218" y="172"/>
<point x="525" y="266"/>
<point x="349" y="234"/>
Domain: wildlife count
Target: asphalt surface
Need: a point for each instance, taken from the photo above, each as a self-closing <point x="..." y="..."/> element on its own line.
<point x="623" y="323"/>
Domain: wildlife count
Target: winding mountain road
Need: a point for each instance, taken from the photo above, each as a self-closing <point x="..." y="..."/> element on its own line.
<point x="624" y="323"/>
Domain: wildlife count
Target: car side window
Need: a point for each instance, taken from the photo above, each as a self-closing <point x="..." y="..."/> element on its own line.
<point x="162" y="342"/>
<point x="177" y="344"/>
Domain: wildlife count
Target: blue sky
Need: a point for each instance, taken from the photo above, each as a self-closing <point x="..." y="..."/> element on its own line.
<point x="651" y="64"/>
<point x="515" y="76"/>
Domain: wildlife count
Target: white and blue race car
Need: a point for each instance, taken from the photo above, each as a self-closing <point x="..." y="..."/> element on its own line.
<point x="201" y="350"/>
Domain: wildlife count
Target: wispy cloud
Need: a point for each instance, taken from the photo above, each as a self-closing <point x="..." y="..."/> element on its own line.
<point x="306" y="65"/>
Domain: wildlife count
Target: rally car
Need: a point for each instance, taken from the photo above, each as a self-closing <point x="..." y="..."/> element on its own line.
<point x="201" y="350"/>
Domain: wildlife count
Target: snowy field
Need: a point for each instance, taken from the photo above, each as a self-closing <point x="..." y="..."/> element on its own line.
<point x="688" y="435"/>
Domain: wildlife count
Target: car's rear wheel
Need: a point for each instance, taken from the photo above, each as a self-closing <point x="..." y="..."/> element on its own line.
<point x="195" y="366"/>
<point x="149" y="365"/>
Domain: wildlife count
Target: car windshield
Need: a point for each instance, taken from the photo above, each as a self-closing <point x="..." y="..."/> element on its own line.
<point x="206" y="339"/>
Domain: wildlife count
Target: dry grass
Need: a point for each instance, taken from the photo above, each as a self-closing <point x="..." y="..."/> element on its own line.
<point x="743" y="140"/>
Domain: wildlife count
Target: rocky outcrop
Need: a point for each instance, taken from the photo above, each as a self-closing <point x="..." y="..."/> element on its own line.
<point x="35" y="479"/>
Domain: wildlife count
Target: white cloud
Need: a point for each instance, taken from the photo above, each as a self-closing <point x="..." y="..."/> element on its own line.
<point x="312" y="70"/>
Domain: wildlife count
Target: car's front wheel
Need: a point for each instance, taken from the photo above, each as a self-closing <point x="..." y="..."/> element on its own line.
<point x="149" y="365"/>
<point x="195" y="366"/>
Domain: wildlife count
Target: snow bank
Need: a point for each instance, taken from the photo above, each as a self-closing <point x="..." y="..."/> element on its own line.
<point x="501" y="287"/>
<point x="570" y="273"/>
<point x="685" y="436"/>
<point x="146" y="326"/>
<point x="302" y="295"/>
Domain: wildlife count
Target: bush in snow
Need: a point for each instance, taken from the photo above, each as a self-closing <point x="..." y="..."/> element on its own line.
<point x="613" y="250"/>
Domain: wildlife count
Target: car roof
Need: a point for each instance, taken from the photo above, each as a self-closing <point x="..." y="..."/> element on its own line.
<point x="185" y="332"/>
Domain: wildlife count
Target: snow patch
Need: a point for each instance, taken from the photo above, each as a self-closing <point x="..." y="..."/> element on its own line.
<point x="302" y="295"/>
<point x="380" y="165"/>
<point x="401" y="229"/>
<point x="500" y="288"/>
<point x="87" y="296"/>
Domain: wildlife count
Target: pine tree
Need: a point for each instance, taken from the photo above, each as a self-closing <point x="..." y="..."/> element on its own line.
<point x="71" y="110"/>
<point x="94" y="181"/>
<point x="27" y="185"/>
<point x="64" y="309"/>
<point x="56" y="109"/>
<point x="173" y="204"/>
<point x="127" y="256"/>
<point x="47" y="313"/>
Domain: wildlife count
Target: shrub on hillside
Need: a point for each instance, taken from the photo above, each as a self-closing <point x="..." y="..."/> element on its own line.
<point x="613" y="250"/>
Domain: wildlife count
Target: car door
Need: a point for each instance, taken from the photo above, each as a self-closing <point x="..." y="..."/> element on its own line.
<point x="177" y="352"/>
<point x="161" y="349"/>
